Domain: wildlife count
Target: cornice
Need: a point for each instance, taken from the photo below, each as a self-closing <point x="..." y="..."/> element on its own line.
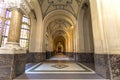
<point x="23" y="5"/>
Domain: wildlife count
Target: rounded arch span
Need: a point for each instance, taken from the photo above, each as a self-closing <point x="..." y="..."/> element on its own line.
<point x="57" y="40"/>
<point x="67" y="39"/>
<point x="64" y="15"/>
<point x="59" y="14"/>
<point x="56" y="33"/>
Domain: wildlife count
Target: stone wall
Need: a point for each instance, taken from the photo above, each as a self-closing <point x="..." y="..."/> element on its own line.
<point x="19" y="63"/>
<point x="49" y="54"/>
<point x="115" y="66"/>
<point x="85" y="57"/>
<point x="108" y="66"/>
<point x="35" y="57"/>
<point x="11" y="65"/>
<point x="102" y="65"/>
<point x="69" y="54"/>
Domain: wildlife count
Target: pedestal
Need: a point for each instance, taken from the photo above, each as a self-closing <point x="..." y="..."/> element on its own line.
<point x="12" y="62"/>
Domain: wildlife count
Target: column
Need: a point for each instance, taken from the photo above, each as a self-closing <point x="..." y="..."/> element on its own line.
<point x="15" y="29"/>
<point x="100" y="45"/>
<point x="106" y="28"/>
<point x="80" y="46"/>
<point x="15" y="26"/>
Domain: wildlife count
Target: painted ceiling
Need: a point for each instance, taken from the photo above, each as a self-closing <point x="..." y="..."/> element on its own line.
<point x="58" y="24"/>
<point x="71" y="6"/>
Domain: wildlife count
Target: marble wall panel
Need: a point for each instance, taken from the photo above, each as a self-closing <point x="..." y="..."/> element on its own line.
<point x="115" y="66"/>
<point x="85" y="57"/>
<point x="102" y="65"/>
<point x="36" y="57"/>
<point x="11" y="65"/>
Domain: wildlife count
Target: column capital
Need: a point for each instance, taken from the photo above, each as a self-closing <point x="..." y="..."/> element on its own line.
<point x="23" y="5"/>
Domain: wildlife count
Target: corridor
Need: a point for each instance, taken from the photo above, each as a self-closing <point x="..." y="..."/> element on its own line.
<point x="59" y="67"/>
<point x="35" y="33"/>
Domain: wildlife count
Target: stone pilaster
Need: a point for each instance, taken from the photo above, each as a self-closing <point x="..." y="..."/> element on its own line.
<point x="15" y="29"/>
<point x="15" y="26"/>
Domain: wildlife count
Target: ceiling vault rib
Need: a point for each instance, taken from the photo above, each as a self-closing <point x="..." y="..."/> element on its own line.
<point x="41" y="2"/>
<point x="47" y="9"/>
<point x="65" y="25"/>
<point x="73" y="11"/>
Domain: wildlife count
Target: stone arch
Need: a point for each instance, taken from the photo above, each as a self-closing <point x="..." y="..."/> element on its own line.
<point x="60" y="14"/>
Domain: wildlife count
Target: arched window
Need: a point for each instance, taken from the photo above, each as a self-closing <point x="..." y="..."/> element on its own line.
<point x="25" y="31"/>
<point x="5" y="27"/>
<point x="5" y="16"/>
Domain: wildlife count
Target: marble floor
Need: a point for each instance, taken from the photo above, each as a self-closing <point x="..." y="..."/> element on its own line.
<point x="59" y="67"/>
<point x="49" y="67"/>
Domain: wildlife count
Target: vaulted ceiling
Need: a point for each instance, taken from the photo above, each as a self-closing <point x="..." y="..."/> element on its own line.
<point x="71" y="6"/>
<point x="57" y="25"/>
<point x="59" y="17"/>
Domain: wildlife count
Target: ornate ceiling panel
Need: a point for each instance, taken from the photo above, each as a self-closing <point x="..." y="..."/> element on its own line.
<point x="50" y="5"/>
<point x="58" y="24"/>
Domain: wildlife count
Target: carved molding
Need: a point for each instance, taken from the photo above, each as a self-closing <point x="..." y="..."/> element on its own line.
<point x="23" y="5"/>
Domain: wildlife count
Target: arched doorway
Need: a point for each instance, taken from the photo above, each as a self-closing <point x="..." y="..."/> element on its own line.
<point x="59" y="44"/>
<point x="59" y="47"/>
<point x="60" y="29"/>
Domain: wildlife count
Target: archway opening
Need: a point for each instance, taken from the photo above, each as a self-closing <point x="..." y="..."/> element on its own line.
<point x="59" y="45"/>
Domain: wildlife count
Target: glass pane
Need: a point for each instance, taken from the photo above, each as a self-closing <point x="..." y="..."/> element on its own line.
<point x="4" y="41"/>
<point x="2" y="10"/>
<point x="26" y="20"/>
<point x="8" y="14"/>
<point x="23" y="43"/>
<point x="24" y="26"/>
<point x="6" y="28"/>
<point x="24" y="37"/>
<point x="0" y="25"/>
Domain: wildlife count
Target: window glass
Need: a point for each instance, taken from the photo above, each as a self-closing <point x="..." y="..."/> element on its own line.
<point x="25" y="31"/>
<point x="0" y="25"/>
<point x="2" y="10"/>
<point x="8" y="14"/>
<point x="26" y="20"/>
<point x="5" y="32"/>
